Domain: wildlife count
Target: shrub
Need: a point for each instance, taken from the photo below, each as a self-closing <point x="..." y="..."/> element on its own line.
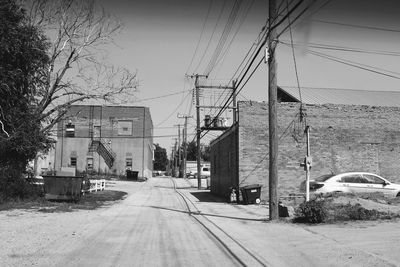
<point x="313" y="211"/>
<point x="14" y="187"/>
<point x="357" y="212"/>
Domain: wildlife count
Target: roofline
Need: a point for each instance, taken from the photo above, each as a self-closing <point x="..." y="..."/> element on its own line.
<point x="88" y="105"/>
<point x="333" y="88"/>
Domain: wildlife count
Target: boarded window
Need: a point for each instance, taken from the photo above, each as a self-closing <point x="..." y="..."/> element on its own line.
<point x="125" y="127"/>
<point x="89" y="163"/>
<point x="129" y="162"/>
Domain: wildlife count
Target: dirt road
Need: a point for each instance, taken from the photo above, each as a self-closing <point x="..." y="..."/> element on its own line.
<point x="152" y="227"/>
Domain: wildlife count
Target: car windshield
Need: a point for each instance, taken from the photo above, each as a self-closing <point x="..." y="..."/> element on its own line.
<point x="323" y="178"/>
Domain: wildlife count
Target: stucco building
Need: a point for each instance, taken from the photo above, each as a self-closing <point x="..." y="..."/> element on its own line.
<point x="106" y="139"/>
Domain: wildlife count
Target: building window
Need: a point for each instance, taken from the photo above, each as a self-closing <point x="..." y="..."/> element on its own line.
<point x="89" y="163"/>
<point x="73" y="162"/>
<point x="70" y="130"/>
<point x="129" y="163"/>
<point x="125" y="127"/>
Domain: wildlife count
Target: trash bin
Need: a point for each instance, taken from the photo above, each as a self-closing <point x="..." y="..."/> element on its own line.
<point x="62" y="187"/>
<point x="251" y="194"/>
<point x="131" y="175"/>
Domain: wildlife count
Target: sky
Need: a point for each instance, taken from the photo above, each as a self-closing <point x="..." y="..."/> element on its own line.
<point x="165" y="40"/>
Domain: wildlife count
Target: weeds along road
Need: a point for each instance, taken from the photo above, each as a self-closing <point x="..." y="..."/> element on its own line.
<point x="162" y="223"/>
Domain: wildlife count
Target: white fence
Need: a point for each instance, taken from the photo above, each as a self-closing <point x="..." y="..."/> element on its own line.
<point x="97" y="185"/>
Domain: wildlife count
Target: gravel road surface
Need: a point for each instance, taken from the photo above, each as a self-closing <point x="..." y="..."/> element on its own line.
<point x="152" y="227"/>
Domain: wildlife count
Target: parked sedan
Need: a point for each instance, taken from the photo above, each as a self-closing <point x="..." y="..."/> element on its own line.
<point x="352" y="182"/>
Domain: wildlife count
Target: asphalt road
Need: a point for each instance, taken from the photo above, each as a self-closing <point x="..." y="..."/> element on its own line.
<point x="158" y="225"/>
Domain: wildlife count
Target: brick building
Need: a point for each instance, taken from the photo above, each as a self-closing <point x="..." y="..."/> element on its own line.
<point x="106" y="139"/>
<point x="343" y="138"/>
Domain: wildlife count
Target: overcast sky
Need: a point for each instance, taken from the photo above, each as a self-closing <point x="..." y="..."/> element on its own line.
<point x="161" y="36"/>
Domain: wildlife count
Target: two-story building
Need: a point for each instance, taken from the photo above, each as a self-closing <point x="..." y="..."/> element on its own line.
<point x="106" y="139"/>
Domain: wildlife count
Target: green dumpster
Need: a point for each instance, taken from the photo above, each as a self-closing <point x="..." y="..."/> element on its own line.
<point x="62" y="187"/>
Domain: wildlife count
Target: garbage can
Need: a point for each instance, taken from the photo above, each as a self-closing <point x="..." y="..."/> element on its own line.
<point x="251" y="194"/>
<point x="131" y="175"/>
<point x="62" y="187"/>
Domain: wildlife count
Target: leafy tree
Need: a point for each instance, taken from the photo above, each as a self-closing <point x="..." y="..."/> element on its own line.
<point x="160" y="158"/>
<point x="23" y="59"/>
<point x="192" y="151"/>
<point x="78" y="31"/>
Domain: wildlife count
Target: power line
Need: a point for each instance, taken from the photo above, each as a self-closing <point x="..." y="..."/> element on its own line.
<point x="258" y="51"/>
<point x="201" y="35"/>
<point x="243" y="18"/>
<point x="174" y="111"/>
<point x="354" y="64"/>
<point x="162" y="96"/>
<point x="301" y="14"/>
<point x="345" y="49"/>
<point x="357" y="26"/>
<point x="294" y="56"/>
<point x="212" y="35"/>
<point x="256" y="54"/>
<point x="224" y="36"/>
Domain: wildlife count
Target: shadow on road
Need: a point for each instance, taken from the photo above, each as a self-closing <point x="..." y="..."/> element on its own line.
<point x="193" y="213"/>
<point x="206" y="196"/>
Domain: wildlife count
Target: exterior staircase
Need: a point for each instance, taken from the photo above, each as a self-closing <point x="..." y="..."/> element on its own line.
<point x="104" y="150"/>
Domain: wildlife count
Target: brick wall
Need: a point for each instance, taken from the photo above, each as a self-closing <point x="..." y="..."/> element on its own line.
<point x="224" y="163"/>
<point x="343" y="138"/>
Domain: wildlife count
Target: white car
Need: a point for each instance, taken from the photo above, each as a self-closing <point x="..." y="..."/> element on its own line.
<point x="352" y="182"/>
<point x="205" y="172"/>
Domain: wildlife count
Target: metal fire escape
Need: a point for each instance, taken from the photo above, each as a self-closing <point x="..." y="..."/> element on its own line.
<point x="99" y="145"/>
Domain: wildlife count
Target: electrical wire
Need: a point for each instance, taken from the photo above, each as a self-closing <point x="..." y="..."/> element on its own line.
<point x="258" y="51"/>
<point x="301" y="14"/>
<point x="356" y="26"/>
<point x="345" y="49"/>
<point x="201" y="35"/>
<point x="355" y="64"/>
<point x="162" y="96"/>
<point x="294" y="56"/>
<point x="224" y="36"/>
<point x="275" y="25"/>
<point x="242" y="19"/>
<point x="173" y="112"/>
<point x="212" y="35"/>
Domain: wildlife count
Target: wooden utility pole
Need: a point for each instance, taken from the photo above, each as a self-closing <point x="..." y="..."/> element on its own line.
<point x="179" y="150"/>
<point x="184" y="143"/>
<point x="272" y="114"/>
<point x="198" y="132"/>
<point x="234" y="101"/>
<point x="175" y="160"/>
<point x="198" y="127"/>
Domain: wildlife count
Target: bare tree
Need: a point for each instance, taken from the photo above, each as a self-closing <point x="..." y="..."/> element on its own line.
<point x="79" y="32"/>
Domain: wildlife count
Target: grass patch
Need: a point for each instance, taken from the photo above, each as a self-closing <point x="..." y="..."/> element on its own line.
<point x="89" y="201"/>
<point x="346" y="207"/>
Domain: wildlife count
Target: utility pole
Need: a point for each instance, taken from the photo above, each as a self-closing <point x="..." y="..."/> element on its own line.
<point x="184" y="143"/>
<point x="208" y="128"/>
<point x="272" y="114"/>
<point x="234" y="101"/>
<point x="198" y="129"/>
<point x="179" y="150"/>
<point x="198" y="132"/>
<point x="175" y="160"/>
<point x="308" y="163"/>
